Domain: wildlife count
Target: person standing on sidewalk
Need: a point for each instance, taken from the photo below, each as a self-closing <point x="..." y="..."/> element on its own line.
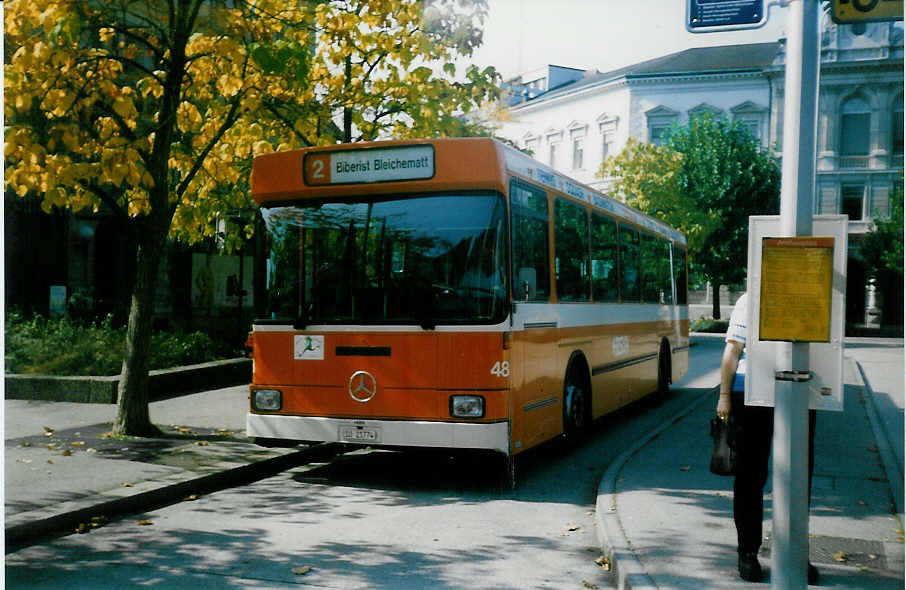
<point x="754" y="432"/>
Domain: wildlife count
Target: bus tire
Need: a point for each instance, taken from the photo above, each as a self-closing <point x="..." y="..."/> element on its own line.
<point x="576" y="398"/>
<point x="664" y="369"/>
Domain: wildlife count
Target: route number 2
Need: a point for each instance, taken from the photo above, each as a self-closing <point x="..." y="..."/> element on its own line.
<point x="501" y="369"/>
<point x="317" y="169"/>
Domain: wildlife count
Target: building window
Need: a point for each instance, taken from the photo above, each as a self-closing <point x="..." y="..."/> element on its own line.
<point x="554" y="138"/>
<point x="751" y="116"/>
<point x="753" y="126"/>
<point x="852" y="198"/>
<point x="606" y="146"/>
<point x="658" y="134"/>
<point x="578" y="148"/>
<point x="660" y="119"/>
<point x="855" y="130"/>
<point x="608" y="127"/>
<point x="577" y="132"/>
<point x="896" y="133"/>
<point x="533" y="144"/>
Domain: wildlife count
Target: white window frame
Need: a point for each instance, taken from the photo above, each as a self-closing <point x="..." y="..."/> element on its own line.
<point x="577" y="133"/>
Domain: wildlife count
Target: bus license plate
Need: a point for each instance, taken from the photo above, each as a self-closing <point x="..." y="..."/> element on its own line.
<point x="360" y="434"/>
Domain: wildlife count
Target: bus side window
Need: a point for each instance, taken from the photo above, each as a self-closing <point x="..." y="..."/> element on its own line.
<point x="663" y="271"/>
<point x="605" y="279"/>
<point x="679" y="274"/>
<point x="651" y="288"/>
<point x="530" y="242"/>
<point x="629" y="264"/>
<point x="571" y="250"/>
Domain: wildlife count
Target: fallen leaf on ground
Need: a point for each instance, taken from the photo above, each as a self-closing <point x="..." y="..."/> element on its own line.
<point x="604" y="563"/>
<point x="82" y="528"/>
<point x="572" y="527"/>
<point x="145" y="523"/>
<point x="302" y="570"/>
<point x="202" y="443"/>
<point x="840" y="556"/>
<point x="66" y="453"/>
<point x="77" y="443"/>
<point x="48" y="431"/>
<point x="587" y="584"/>
<point x="127" y="484"/>
<point x="190" y="498"/>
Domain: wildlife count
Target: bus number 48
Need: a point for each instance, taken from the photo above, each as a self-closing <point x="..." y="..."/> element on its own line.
<point x="501" y="369"/>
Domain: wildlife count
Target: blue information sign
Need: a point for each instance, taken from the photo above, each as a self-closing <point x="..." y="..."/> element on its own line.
<point x="703" y="16"/>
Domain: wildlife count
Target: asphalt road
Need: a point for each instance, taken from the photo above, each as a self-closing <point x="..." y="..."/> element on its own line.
<point x="375" y="519"/>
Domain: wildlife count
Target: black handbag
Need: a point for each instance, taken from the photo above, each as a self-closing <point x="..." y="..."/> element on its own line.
<point x="723" y="457"/>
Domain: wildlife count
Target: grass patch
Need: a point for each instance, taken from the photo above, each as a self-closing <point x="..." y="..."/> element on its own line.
<point x="61" y="346"/>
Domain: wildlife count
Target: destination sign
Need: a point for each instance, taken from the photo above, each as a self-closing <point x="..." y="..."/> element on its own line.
<point x="408" y="162"/>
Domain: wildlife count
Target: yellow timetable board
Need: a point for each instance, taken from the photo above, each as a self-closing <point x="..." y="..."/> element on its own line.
<point x="796" y="280"/>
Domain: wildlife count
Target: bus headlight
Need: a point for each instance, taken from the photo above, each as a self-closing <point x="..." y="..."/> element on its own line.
<point x="467" y="406"/>
<point x="267" y="400"/>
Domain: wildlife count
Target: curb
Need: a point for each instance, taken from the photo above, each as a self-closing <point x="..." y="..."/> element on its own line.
<point x="888" y="462"/>
<point x="160" y="493"/>
<point x="626" y="566"/>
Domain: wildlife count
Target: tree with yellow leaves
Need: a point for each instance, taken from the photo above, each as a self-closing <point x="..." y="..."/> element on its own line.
<point x="153" y="109"/>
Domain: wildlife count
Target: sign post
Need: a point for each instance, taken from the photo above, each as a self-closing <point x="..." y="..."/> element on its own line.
<point x="797" y="189"/>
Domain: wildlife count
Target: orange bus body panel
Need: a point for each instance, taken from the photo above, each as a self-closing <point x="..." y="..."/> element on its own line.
<point x="414" y="381"/>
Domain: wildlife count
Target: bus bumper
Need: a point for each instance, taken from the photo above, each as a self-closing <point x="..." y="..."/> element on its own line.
<point x="494" y="436"/>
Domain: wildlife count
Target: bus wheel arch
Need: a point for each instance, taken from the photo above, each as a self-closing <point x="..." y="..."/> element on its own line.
<point x="664" y="368"/>
<point x="576" y="396"/>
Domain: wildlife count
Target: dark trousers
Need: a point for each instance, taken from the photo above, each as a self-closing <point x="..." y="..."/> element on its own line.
<point x="753" y="451"/>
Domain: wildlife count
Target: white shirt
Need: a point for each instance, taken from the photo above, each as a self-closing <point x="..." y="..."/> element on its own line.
<point x="736" y="332"/>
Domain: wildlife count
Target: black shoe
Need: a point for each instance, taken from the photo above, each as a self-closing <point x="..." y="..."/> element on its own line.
<point x="749" y="568"/>
<point x="812" y="575"/>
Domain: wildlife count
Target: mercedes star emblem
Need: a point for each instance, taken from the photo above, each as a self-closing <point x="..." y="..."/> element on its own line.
<point x="362" y="386"/>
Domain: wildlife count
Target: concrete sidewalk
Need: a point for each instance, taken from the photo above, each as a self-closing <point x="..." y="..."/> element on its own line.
<point x="62" y="474"/>
<point x="667" y="522"/>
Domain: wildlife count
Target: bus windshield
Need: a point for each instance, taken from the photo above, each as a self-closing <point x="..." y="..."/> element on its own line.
<point x="427" y="260"/>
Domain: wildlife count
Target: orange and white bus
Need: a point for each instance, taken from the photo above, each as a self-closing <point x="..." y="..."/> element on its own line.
<point x="454" y="293"/>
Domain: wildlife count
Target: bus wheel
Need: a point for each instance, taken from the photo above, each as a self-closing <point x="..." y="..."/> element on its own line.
<point x="575" y="405"/>
<point x="663" y="369"/>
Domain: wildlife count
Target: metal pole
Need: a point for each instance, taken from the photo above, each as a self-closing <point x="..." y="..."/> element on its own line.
<point x="790" y="483"/>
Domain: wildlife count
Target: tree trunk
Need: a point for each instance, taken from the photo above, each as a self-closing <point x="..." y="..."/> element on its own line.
<point x="133" y="417"/>
<point x="715" y="304"/>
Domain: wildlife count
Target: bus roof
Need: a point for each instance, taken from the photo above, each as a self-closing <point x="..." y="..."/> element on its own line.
<point x="419" y="166"/>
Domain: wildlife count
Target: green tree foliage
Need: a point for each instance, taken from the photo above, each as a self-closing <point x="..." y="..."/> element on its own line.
<point x="882" y="250"/>
<point x="707" y="179"/>
<point x="153" y="109"/>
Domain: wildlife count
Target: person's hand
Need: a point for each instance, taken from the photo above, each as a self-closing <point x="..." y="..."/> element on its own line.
<point x="724" y="405"/>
